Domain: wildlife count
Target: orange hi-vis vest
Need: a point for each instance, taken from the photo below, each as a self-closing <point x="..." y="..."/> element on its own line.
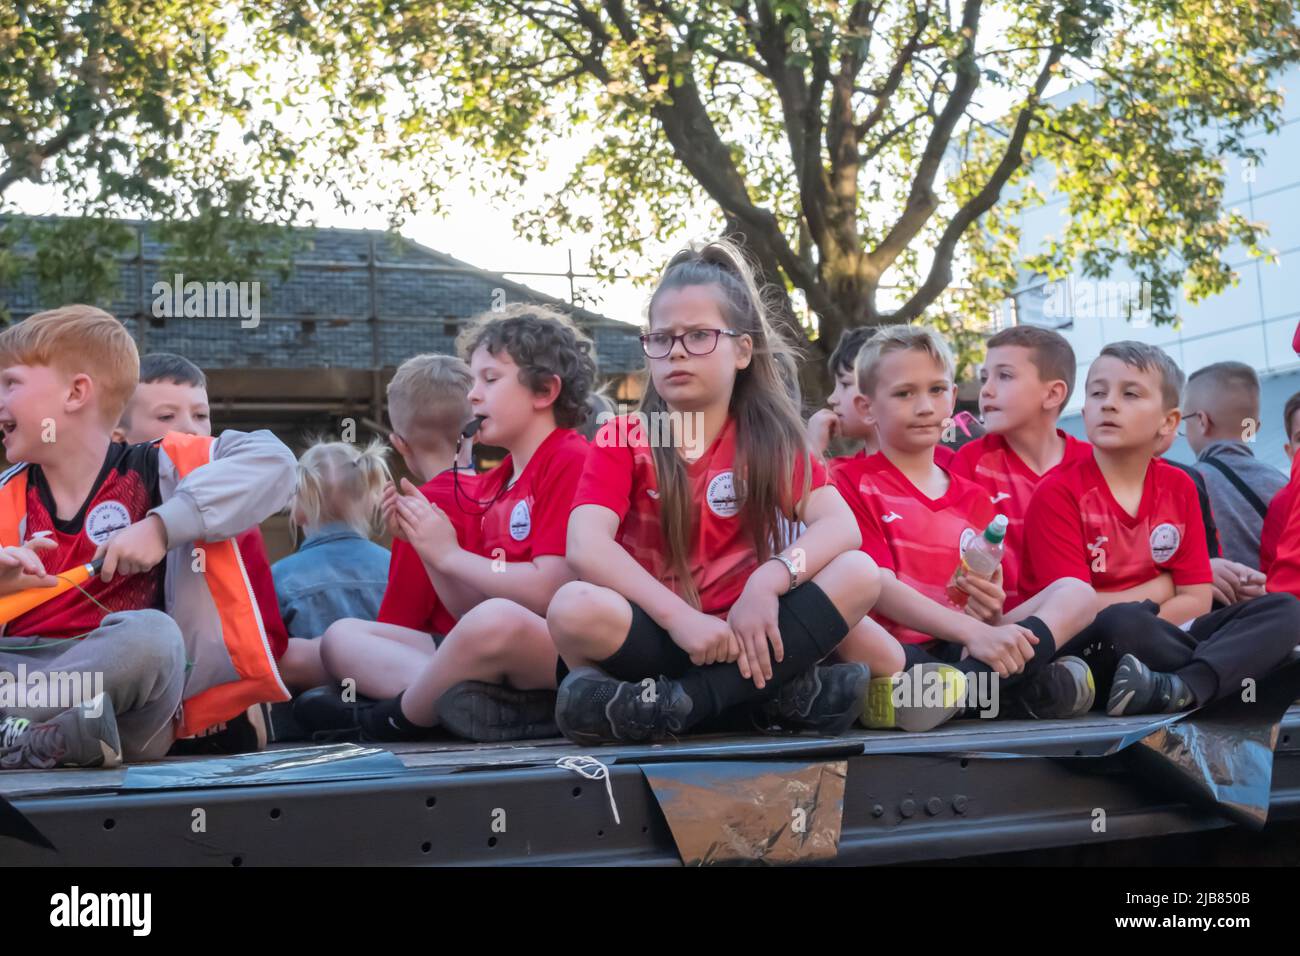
<point x="223" y="572"/>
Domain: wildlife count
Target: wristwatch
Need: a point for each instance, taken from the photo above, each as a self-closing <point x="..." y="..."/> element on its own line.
<point x="789" y="566"/>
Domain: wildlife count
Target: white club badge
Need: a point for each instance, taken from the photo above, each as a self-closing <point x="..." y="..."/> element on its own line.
<point x="521" y="521"/>
<point x="1165" y="540"/>
<point x="721" y="495"/>
<point x="105" y="520"/>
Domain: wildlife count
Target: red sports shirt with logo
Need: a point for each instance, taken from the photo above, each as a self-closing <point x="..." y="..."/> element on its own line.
<point x="124" y="491"/>
<point x="917" y="537"/>
<point x="409" y="598"/>
<point x="943" y="456"/>
<point x="621" y="476"/>
<point x="993" y="465"/>
<point x="1076" y="529"/>
<point x="531" y="517"/>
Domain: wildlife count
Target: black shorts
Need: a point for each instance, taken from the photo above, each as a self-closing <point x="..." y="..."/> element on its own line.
<point x="649" y="650"/>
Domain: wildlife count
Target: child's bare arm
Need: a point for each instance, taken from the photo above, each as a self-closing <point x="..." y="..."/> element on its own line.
<point x="473" y="577"/>
<point x="1159" y="589"/>
<point x="1004" y="647"/>
<point x="1189" y="601"/>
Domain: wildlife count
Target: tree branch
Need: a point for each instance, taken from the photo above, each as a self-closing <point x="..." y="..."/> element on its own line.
<point x="940" y="274"/>
<point x="921" y="200"/>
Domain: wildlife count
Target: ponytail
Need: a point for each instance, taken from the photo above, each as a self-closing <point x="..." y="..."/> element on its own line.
<point x="337" y="482"/>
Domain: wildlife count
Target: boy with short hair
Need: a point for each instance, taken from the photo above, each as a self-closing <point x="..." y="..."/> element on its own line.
<point x="428" y="407"/>
<point x="1221" y="411"/>
<point x="916" y="518"/>
<point x="1130" y="524"/>
<point x="66" y="376"/>
<point x="172" y="396"/>
<point x="494" y="675"/>
<point x="1026" y="380"/>
<point x="840" y="419"/>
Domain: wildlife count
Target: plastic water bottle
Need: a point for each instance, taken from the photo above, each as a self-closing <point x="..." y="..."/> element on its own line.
<point x="979" y="559"/>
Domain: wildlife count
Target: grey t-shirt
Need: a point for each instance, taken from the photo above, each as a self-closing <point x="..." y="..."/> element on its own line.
<point x="1238" y="521"/>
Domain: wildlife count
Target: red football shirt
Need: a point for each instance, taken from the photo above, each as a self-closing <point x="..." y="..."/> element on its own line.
<point x="1076" y="529"/>
<point x="124" y="491"/>
<point x="409" y="598"/>
<point x="621" y="476"/>
<point x="943" y="457"/>
<point x="917" y="537"/>
<point x="1279" y="510"/>
<point x="993" y="465"/>
<point x="531" y="518"/>
<point x="253" y="552"/>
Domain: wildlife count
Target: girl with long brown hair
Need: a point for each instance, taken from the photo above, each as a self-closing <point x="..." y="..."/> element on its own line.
<point x="696" y="600"/>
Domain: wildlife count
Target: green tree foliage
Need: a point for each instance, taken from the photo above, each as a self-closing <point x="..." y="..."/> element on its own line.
<point x="860" y="148"/>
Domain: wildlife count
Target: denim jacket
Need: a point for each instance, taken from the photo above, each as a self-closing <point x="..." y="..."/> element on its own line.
<point x="335" y="573"/>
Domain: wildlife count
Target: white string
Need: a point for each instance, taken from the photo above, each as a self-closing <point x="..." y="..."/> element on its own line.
<point x="592" y="769"/>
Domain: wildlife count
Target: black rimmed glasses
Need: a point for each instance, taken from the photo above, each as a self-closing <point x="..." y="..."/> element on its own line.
<point x="657" y="345"/>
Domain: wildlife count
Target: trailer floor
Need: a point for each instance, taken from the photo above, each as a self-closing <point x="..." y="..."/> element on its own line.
<point x="971" y="788"/>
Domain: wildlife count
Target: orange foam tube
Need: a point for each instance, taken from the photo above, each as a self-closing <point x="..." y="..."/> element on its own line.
<point x="20" y="602"/>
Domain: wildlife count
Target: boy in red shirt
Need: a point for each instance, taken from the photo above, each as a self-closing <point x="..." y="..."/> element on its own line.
<point x="173" y="397"/>
<point x="493" y="676"/>
<point x="1027" y="378"/>
<point x="1279" y="508"/>
<point x="915" y="518"/>
<point x="1130" y="524"/>
<point x="160" y="516"/>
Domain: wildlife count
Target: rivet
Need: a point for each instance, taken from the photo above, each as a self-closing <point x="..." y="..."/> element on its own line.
<point x="907" y="808"/>
<point x="959" y="803"/>
<point x="933" y="806"/>
<point x="877" y="810"/>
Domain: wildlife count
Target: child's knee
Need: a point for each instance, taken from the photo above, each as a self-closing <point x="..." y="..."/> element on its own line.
<point x="491" y="629"/>
<point x="1077" y="598"/>
<point x="581" y="611"/>
<point x="149" y="640"/>
<point x="852" y="581"/>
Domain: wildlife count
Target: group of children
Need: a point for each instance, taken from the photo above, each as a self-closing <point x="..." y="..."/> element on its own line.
<point x="698" y="565"/>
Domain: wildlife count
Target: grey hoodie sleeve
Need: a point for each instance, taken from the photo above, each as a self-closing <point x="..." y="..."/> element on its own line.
<point x="249" y="478"/>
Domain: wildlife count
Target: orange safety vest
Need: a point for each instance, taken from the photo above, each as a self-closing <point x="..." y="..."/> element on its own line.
<point x="241" y="620"/>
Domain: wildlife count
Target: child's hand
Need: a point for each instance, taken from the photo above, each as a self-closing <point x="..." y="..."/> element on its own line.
<point x="1004" y="648"/>
<point x="823" y="426"/>
<point x="22" y="568"/>
<point x="388" y="508"/>
<point x="1235" y="582"/>
<point x="425" y="525"/>
<point x="707" y="639"/>
<point x="133" y="550"/>
<point x="986" y="596"/>
<point x="753" y="619"/>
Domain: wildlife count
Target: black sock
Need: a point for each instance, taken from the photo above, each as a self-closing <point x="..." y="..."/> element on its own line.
<point x="811" y="627"/>
<point x="385" y="721"/>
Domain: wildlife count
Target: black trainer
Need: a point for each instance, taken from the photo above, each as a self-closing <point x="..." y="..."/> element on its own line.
<point x="243" y="734"/>
<point x="594" y="708"/>
<point x="1064" y="689"/>
<point x="325" y="715"/>
<point x="825" y="699"/>
<point x="1137" y="689"/>
<point x="491" y="713"/>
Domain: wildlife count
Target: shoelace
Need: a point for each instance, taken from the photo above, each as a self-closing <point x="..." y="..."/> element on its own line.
<point x="591" y="769"/>
<point x="41" y="749"/>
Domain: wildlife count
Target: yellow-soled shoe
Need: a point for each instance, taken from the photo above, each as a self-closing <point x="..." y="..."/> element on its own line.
<point x="919" y="699"/>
